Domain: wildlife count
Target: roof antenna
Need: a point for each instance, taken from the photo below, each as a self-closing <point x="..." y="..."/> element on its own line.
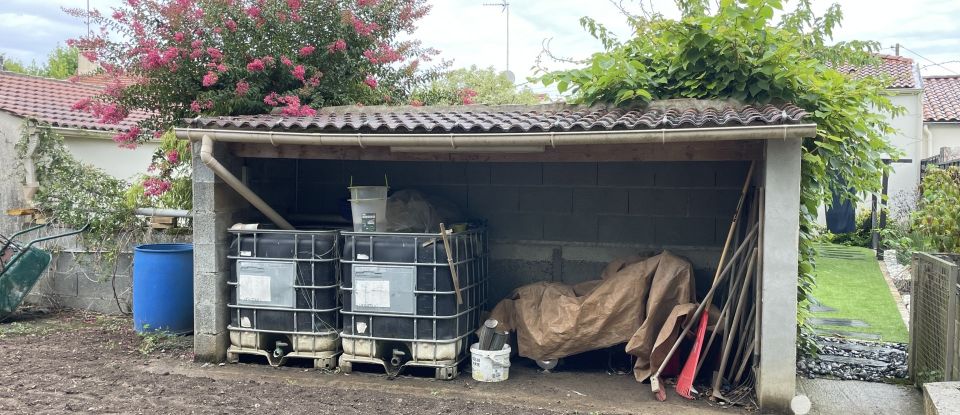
<point x="505" y="7"/>
<point x="896" y="47"/>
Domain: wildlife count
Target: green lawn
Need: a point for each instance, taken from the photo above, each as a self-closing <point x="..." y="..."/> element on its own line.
<point x="849" y="280"/>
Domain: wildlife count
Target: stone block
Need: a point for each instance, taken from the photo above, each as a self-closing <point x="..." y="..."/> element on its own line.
<point x="685" y="231"/>
<point x="515" y="226"/>
<point x="546" y="199"/>
<point x="658" y="202"/>
<point x="210" y="348"/>
<point x="516" y="173"/>
<point x="570" y="174"/>
<point x="580" y="228"/>
<point x="478" y="173"/>
<point x="941" y="398"/>
<point x="733" y="173"/>
<point x="626" y="229"/>
<point x="712" y="203"/>
<point x="684" y="174"/>
<point x="452" y="173"/>
<point x="456" y="194"/>
<point x="625" y="174"/>
<point x="484" y="200"/>
<point x="322" y="171"/>
<point x="600" y="200"/>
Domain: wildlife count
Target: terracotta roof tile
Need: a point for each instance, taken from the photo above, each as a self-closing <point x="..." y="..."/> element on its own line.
<point x="941" y="98"/>
<point x="50" y="100"/>
<point x="537" y="118"/>
<point x="901" y="71"/>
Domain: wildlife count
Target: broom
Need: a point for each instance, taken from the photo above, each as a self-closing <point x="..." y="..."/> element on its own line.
<point x="685" y="381"/>
<point x="655" y="379"/>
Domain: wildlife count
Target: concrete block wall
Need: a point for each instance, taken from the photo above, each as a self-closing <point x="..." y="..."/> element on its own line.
<point x="547" y="221"/>
<point x="77" y="280"/>
<point x="215" y="208"/>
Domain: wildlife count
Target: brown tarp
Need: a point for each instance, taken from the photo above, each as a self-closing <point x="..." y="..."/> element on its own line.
<point x="636" y="300"/>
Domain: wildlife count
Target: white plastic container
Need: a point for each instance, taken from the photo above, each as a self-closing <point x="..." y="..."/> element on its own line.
<point x="368" y="192"/>
<point x="490" y="365"/>
<point x="369" y="215"/>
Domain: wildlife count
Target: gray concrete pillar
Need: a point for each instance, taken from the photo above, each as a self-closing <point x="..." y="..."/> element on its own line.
<point x="778" y="309"/>
<point x="215" y="209"/>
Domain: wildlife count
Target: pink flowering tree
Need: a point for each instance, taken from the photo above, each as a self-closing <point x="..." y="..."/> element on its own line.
<point x="180" y="59"/>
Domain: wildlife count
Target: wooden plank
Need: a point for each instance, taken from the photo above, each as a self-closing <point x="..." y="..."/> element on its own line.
<point x="701" y="151"/>
<point x="22" y="212"/>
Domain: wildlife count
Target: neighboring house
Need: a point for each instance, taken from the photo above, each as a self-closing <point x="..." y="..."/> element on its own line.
<point x="906" y="87"/>
<point x="941" y="113"/>
<point x="25" y="99"/>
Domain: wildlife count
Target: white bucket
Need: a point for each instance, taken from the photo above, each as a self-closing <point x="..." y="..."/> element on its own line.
<point x="369" y="215"/>
<point x="368" y="192"/>
<point x="490" y="365"/>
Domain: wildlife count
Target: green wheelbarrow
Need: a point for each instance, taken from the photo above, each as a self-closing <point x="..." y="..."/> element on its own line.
<point x="21" y="266"/>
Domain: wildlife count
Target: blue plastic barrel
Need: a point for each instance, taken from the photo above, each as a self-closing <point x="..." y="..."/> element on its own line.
<point x="163" y="288"/>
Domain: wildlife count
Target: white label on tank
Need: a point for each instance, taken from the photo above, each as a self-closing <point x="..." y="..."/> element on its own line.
<point x="246" y="253"/>
<point x="253" y="288"/>
<point x="361" y="327"/>
<point x="245" y="322"/>
<point x="373" y="293"/>
<point x="363" y="257"/>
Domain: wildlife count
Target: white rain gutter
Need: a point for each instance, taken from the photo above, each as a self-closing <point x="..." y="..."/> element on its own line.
<point x="177" y="213"/>
<point x="459" y="142"/>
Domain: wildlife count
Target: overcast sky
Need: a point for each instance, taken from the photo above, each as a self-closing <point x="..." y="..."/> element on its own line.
<point x="470" y="33"/>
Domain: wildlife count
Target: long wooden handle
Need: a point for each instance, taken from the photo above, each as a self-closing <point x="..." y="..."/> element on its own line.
<point x="453" y="268"/>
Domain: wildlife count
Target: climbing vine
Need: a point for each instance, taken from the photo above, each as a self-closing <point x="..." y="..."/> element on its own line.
<point x="742" y="50"/>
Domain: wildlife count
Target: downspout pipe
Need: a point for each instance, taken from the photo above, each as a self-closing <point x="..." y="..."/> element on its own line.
<point x="206" y="155"/>
<point x="177" y="213"/>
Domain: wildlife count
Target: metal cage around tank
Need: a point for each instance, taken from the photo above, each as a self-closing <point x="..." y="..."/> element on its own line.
<point x="284" y="295"/>
<point x="400" y="303"/>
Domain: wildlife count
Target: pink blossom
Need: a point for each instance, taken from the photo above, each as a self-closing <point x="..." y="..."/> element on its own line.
<point x="370" y="56"/>
<point x="370" y="81"/>
<point x="155" y="186"/>
<point x="81" y="105"/>
<point x="362" y="28"/>
<point x="242" y="88"/>
<point x="108" y="113"/>
<point x="294" y="4"/>
<point x="299" y="72"/>
<point x="195" y="107"/>
<point x="90" y="54"/>
<point x="173" y="156"/>
<point x="138" y="28"/>
<point x="268" y="60"/>
<point x="117" y="15"/>
<point x="253" y="11"/>
<point x="196" y="44"/>
<point x="133" y="3"/>
<point x="127" y="139"/>
<point x="214" y="53"/>
<point x="196" y="54"/>
<point x="178" y="36"/>
<point x="314" y="80"/>
<point x="210" y="79"/>
<point x="256" y="65"/>
<point x="336" y="46"/>
<point x="307" y="50"/>
<point x="230" y="24"/>
<point x="198" y="14"/>
<point x="221" y="68"/>
<point x="271" y="99"/>
<point x="367" y="3"/>
<point x="416" y="103"/>
<point x="285" y="60"/>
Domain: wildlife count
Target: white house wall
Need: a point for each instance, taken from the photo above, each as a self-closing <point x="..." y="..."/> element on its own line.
<point x="908" y="138"/>
<point x="942" y="135"/>
<point x="104" y="153"/>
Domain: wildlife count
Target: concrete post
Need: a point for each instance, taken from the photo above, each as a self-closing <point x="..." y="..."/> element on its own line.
<point x="215" y="208"/>
<point x="778" y="309"/>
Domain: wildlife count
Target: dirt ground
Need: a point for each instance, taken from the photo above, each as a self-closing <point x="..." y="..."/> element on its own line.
<point x="88" y="363"/>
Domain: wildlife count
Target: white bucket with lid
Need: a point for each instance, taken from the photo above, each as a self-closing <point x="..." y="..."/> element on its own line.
<point x="368" y="192"/>
<point x="490" y="365"/>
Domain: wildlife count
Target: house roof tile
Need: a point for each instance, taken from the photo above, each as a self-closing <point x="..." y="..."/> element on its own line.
<point x="900" y="70"/>
<point x="941" y="98"/>
<point x="502" y="119"/>
<point x="51" y="100"/>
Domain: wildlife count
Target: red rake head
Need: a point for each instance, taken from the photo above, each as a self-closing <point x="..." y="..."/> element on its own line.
<point x="685" y="381"/>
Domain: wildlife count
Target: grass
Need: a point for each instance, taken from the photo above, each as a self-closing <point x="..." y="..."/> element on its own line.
<point x="855" y="287"/>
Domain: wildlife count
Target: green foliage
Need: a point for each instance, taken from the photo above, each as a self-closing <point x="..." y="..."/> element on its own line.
<point x="74" y="193"/>
<point x="61" y="64"/>
<point x="861" y="236"/>
<point x="474" y="86"/>
<point x="937" y="218"/>
<point x="755" y="51"/>
<point x="169" y="185"/>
